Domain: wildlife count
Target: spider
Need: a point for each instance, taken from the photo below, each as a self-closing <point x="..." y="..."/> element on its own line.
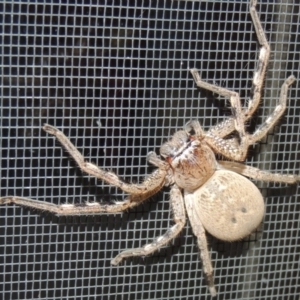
<point x="214" y="194"/>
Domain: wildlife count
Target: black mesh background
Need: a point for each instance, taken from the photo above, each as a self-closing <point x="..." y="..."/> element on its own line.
<point x="113" y="75"/>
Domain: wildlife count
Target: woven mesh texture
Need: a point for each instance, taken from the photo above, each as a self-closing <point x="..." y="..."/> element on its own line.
<point x="113" y="75"/>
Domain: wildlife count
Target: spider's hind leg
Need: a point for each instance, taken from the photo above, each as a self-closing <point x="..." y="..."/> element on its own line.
<point x="179" y="217"/>
<point x="200" y="234"/>
<point x="87" y="208"/>
<point x="258" y="174"/>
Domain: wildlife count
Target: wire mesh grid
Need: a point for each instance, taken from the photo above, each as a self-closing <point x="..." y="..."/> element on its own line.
<point x="113" y="75"/>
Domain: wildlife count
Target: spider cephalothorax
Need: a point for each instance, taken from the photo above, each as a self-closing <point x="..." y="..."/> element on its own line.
<point x="191" y="159"/>
<point x="214" y="194"/>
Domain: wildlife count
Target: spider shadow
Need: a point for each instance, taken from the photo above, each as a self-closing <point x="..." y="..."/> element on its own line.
<point x="234" y="249"/>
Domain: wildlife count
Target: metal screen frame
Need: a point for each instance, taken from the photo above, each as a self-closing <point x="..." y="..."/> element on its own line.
<point x="113" y="75"/>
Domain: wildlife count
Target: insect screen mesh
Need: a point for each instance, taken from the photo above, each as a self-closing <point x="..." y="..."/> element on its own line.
<point x="113" y="75"/>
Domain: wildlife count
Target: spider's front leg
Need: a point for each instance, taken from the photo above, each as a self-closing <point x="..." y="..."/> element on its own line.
<point x="229" y="125"/>
<point x="229" y="148"/>
<point x="232" y="148"/>
<point x="179" y="217"/>
<point x="235" y="150"/>
<point x="137" y="192"/>
<point x="149" y="187"/>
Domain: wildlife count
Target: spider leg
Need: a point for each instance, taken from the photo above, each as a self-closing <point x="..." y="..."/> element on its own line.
<point x="235" y="150"/>
<point x="200" y="234"/>
<point x="137" y="192"/>
<point x="258" y="174"/>
<point x="216" y="142"/>
<point x="229" y="125"/>
<point x="238" y="120"/>
<point x="231" y="149"/>
<point x="179" y="217"/>
<point x="264" y="55"/>
<point x="276" y="115"/>
<point x="87" y="208"/>
<point x="151" y="185"/>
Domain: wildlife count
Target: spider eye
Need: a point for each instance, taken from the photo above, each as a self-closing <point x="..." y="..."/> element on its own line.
<point x="171" y="148"/>
<point x="180" y="138"/>
<point x="167" y="151"/>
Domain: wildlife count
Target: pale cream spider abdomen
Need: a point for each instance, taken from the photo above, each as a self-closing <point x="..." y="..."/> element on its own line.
<point x="229" y="206"/>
